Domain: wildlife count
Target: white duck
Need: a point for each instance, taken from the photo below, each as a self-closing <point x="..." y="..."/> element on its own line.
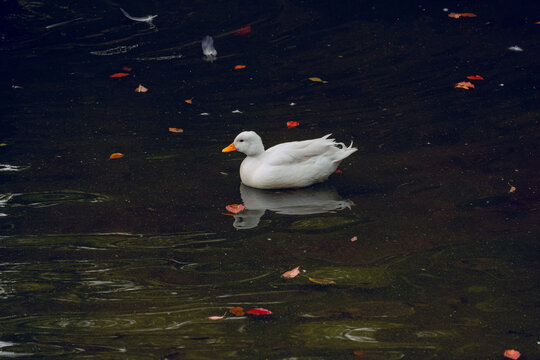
<point x="288" y="165"/>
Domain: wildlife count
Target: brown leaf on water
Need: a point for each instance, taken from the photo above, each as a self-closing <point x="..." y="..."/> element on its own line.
<point x="176" y="130"/>
<point x="512" y="189"/>
<point x="322" y="281"/>
<point x="468" y="15"/>
<point x="116" y="156"/>
<point x="237" y="311"/>
<point x="189" y="101"/>
<point x="126" y="68"/>
<point x="141" y="89"/>
<point x="354" y="238"/>
<point x="291" y="273"/>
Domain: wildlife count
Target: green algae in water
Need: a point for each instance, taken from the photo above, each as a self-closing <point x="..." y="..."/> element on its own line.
<point x="322" y="223"/>
<point x="365" y="277"/>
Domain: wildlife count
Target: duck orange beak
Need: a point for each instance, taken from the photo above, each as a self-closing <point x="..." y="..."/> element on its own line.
<point x="229" y="148"/>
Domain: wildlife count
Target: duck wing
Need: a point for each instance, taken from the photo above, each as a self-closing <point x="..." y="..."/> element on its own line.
<point x="296" y="152"/>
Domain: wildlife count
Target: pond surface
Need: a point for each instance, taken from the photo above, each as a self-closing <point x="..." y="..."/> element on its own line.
<point x="424" y="246"/>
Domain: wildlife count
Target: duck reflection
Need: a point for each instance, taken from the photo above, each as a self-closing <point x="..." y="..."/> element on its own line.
<point x="313" y="200"/>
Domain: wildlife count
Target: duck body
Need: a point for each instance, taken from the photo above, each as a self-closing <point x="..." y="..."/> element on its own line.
<point x="288" y="165"/>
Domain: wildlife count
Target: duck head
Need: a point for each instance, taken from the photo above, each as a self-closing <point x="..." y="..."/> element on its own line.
<point x="247" y="142"/>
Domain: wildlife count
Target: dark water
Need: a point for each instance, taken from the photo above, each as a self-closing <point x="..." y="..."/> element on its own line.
<point x="127" y="258"/>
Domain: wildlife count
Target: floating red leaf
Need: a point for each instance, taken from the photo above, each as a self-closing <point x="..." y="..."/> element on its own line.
<point x="118" y="75"/>
<point x="291" y="124"/>
<point x="475" y="77"/>
<point x="235" y="208"/>
<point x="458" y="15"/>
<point x="259" y="311"/>
<point x="291" y="273"/>
<point x="512" y="354"/>
<point x="243" y="30"/>
<point x="238" y="67"/>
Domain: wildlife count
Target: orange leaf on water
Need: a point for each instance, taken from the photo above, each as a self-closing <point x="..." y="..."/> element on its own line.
<point x="238" y="67"/>
<point x="291" y="124"/>
<point x="475" y="77"/>
<point x="141" y="89"/>
<point x="118" y="75"/>
<point x="215" y="317"/>
<point x="291" y="273"/>
<point x="512" y="189"/>
<point x="464" y="85"/>
<point x="116" y="156"/>
<point x="189" y="101"/>
<point x="237" y="311"/>
<point x="458" y="15"/>
<point x="243" y="30"/>
<point x="321" y="281"/>
<point x="259" y="311"/>
<point x="235" y="208"/>
<point x="354" y="238"/>
<point x="512" y="354"/>
<point x="360" y="353"/>
<point x="176" y="130"/>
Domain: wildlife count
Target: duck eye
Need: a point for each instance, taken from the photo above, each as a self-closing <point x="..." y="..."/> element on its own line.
<point x="241" y="140"/>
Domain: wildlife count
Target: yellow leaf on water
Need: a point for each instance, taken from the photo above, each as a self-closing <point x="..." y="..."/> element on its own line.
<point x="317" y="79"/>
<point x="321" y="281"/>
